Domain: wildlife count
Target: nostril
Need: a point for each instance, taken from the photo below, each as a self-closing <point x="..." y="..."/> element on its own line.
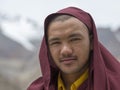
<point x="66" y="51"/>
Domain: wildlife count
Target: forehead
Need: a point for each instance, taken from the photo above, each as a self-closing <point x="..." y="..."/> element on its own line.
<point x="65" y="21"/>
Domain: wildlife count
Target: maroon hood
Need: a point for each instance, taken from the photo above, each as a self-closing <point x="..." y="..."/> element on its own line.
<point x="104" y="69"/>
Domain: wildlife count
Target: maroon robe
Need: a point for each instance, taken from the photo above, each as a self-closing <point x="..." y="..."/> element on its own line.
<point x="104" y="73"/>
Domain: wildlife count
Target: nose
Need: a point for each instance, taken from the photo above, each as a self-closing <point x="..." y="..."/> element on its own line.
<point x="66" y="50"/>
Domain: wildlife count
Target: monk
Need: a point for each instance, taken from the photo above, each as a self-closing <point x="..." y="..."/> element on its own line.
<point x="72" y="58"/>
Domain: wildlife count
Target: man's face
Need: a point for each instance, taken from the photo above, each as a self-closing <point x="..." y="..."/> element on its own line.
<point x="69" y="45"/>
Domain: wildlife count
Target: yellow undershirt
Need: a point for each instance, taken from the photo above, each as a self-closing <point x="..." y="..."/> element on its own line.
<point x="76" y="84"/>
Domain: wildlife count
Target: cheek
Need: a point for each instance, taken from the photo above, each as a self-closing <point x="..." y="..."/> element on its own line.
<point x="82" y="49"/>
<point x="54" y="53"/>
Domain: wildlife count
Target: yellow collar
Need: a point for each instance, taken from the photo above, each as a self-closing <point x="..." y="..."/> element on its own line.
<point x="76" y="84"/>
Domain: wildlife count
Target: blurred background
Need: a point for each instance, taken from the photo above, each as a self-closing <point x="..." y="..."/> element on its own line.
<point x="21" y="31"/>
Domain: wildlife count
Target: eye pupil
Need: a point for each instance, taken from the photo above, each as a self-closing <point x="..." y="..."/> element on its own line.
<point x="75" y="39"/>
<point x="54" y="43"/>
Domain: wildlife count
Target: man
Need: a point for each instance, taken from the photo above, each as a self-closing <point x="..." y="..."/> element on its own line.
<point x="71" y="56"/>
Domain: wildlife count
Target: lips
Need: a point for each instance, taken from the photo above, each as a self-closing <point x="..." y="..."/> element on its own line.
<point x="68" y="60"/>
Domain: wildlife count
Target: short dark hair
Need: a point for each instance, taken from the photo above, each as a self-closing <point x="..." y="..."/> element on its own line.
<point x="61" y="18"/>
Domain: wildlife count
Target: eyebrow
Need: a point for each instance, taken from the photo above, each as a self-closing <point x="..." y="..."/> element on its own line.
<point x="53" y="39"/>
<point x="71" y="36"/>
<point x="74" y="35"/>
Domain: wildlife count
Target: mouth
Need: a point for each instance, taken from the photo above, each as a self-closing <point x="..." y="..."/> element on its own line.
<point x="68" y="60"/>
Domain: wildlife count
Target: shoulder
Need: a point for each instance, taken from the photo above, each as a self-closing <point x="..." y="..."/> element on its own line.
<point x="114" y="80"/>
<point x="37" y="84"/>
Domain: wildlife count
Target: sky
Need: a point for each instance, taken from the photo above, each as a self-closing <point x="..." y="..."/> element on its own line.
<point x="105" y="12"/>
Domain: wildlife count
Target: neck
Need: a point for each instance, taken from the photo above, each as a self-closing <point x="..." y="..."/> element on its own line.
<point x="69" y="79"/>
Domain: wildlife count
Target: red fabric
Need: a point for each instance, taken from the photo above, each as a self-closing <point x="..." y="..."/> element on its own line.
<point x="104" y="71"/>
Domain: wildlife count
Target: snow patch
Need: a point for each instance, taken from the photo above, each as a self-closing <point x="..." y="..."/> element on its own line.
<point x="20" y="31"/>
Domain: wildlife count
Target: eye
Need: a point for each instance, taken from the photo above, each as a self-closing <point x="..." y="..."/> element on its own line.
<point x="54" y="43"/>
<point x="75" y="39"/>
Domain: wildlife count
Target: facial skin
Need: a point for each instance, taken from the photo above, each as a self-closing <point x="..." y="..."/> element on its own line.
<point x="69" y="45"/>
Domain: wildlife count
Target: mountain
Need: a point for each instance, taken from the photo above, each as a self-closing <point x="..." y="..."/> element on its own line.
<point x="11" y="49"/>
<point x="20" y="40"/>
<point x="117" y="33"/>
<point x="109" y="40"/>
<point x="21" y="30"/>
